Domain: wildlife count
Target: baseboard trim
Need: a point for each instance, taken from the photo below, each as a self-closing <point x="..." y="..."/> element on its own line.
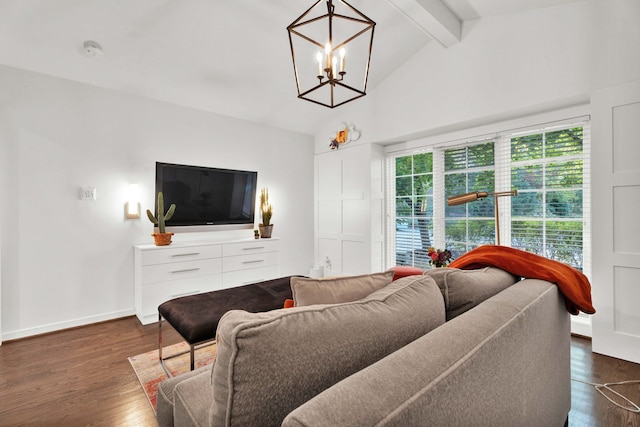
<point x="581" y="326"/>
<point x="52" y="327"/>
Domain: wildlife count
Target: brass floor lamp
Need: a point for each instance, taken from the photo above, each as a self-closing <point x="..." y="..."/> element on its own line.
<point x="477" y="195"/>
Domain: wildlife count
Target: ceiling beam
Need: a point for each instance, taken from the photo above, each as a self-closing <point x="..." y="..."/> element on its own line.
<point x="433" y="17"/>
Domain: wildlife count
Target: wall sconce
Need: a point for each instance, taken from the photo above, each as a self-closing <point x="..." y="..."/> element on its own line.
<point x="479" y="195"/>
<point x="132" y="206"/>
<point x="344" y="136"/>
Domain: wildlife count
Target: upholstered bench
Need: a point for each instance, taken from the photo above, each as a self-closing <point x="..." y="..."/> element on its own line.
<point x="196" y="317"/>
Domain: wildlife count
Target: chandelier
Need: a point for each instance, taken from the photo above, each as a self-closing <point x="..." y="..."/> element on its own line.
<point x="324" y="39"/>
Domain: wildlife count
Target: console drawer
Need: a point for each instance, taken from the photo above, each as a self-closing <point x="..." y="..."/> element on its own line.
<point x="180" y="270"/>
<point x="243" y="262"/>
<point x="248" y="248"/>
<point x="180" y="254"/>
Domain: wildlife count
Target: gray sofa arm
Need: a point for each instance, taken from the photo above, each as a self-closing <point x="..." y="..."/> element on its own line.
<point x="506" y="362"/>
<point x="168" y="389"/>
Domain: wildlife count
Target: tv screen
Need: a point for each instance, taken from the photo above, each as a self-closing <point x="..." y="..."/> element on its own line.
<point x="207" y="196"/>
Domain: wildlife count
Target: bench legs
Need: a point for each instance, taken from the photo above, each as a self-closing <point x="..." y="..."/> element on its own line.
<point x="191" y="351"/>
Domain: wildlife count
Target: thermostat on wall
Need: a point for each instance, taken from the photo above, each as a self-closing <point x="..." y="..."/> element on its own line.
<point x="87" y="193"/>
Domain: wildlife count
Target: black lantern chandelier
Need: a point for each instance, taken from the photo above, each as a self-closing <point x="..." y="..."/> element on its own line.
<point x="322" y="39"/>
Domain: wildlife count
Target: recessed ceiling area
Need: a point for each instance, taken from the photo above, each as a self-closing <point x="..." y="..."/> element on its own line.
<point x="227" y="57"/>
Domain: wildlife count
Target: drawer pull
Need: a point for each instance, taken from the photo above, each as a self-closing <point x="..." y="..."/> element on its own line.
<point x="253" y="262"/>
<point x="186" y="270"/>
<point x="184" y="294"/>
<point x="253" y="248"/>
<point x="189" y="254"/>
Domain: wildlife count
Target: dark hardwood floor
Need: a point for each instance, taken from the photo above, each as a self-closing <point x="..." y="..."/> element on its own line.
<point x="588" y="407"/>
<point x="81" y="376"/>
<point x="78" y="377"/>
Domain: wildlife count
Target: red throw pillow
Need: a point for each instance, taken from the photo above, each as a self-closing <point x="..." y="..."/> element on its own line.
<point x="400" y="271"/>
<point x="288" y="303"/>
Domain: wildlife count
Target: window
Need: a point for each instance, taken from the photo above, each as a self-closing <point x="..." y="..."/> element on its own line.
<point x="469" y="169"/>
<point x="549" y="216"/>
<point x="414" y="208"/>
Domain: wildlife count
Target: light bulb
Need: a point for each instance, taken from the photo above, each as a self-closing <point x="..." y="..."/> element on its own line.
<point x="319" y="59"/>
<point x="327" y="54"/>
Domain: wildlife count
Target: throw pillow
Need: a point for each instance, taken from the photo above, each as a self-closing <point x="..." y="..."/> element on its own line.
<point x="338" y="289"/>
<point x="464" y="289"/>
<point x="400" y="271"/>
<point x="269" y="363"/>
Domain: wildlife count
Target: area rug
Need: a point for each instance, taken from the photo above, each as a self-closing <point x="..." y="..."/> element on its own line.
<point x="150" y="373"/>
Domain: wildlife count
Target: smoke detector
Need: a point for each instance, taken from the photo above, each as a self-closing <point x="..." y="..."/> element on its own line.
<point x="92" y="49"/>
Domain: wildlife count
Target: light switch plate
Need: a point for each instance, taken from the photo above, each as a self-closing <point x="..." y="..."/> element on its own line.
<point x="87" y="193"/>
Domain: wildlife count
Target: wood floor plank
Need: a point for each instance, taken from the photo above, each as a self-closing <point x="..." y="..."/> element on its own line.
<point x="81" y="377"/>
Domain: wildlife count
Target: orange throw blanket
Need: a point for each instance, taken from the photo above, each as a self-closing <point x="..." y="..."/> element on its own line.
<point x="572" y="283"/>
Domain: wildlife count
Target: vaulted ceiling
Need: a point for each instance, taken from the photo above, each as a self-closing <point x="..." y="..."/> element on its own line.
<point x="229" y="57"/>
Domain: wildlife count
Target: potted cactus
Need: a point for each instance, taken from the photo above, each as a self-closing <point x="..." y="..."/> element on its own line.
<point x="267" y="211"/>
<point x="161" y="237"/>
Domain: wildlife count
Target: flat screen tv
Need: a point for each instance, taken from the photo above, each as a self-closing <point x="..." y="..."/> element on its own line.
<point x="207" y="196"/>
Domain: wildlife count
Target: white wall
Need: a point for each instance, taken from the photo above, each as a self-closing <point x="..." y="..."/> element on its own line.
<point x="615" y="43"/>
<point x="5" y="188"/>
<point x="66" y="261"/>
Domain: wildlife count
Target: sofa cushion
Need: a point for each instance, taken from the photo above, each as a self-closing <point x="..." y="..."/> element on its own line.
<point x="337" y="289"/>
<point x="464" y="289"/>
<point x="270" y="363"/>
<point x="192" y="400"/>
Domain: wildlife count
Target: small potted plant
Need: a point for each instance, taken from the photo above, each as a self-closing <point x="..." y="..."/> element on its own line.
<point x="266" y="211"/>
<point x="161" y="238"/>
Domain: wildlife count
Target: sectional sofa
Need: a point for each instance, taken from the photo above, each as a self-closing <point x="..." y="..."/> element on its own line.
<point x="446" y="348"/>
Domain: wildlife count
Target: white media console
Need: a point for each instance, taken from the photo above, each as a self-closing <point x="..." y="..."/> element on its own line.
<point x="166" y="272"/>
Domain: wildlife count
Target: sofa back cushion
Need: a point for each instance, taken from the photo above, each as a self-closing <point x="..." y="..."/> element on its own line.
<point x="336" y="290"/>
<point x="270" y="363"/>
<point x="464" y="289"/>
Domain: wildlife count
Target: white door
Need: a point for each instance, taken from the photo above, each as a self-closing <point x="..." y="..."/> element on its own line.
<point x="615" y="182"/>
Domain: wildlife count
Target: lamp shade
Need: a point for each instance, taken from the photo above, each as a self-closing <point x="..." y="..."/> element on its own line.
<point x="466" y="198"/>
<point x="132" y="206"/>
